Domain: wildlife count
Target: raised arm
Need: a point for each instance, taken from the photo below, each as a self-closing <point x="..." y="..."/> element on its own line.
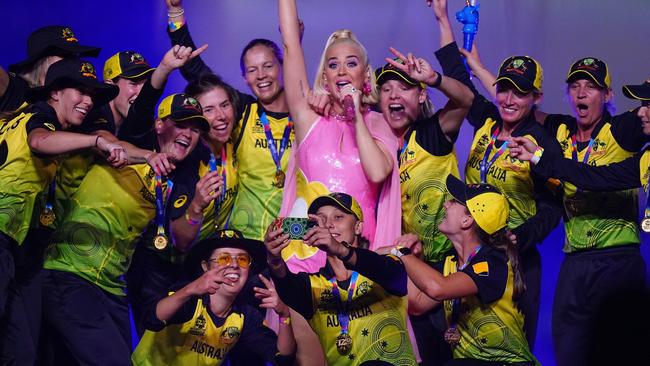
<point x="479" y="70"/>
<point x="179" y="34"/>
<point x="296" y="85"/>
<point x="460" y="97"/>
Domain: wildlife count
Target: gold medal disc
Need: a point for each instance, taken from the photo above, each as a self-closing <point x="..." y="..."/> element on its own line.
<point x="452" y="336"/>
<point x="645" y="225"/>
<point x="344" y="343"/>
<point x="47" y="217"/>
<point x="279" y="179"/>
<point x="160" y="242"/>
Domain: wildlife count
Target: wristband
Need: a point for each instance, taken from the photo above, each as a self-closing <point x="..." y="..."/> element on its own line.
<point x="285" y="321"/>
<point x="400" y="251"/>
<point x="537" y="155"/>
<point x="97" y="139"/>
<point x="175" y="14"/>
<point x="191" y="221"/>
<point x="173" y="26"/>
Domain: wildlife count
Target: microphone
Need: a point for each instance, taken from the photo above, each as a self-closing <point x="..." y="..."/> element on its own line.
<point x="348" y="106"/>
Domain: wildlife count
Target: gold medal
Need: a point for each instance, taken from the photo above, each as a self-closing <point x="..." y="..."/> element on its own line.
<point x="47" y="217"/>
<point x="645" y="225"/>
<point x="279" y="179"/>
<point x="452" y="336"/>
<point x="344" y="343"/>
<point x="160" y="242"/>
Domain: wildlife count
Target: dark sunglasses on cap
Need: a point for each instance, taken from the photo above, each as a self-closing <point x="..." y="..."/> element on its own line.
<point x="225" y="259"/>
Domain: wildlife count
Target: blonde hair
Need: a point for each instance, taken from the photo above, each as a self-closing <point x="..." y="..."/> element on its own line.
<point x="339" y="36"/>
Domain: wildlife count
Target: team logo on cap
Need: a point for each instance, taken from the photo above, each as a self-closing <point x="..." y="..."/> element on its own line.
<point x="192" y="103"/>
<point x="587" y="63"/>
<point x="88" y="70"/>
<point x="137" y="58"/>
<point x="66" y="33"/>
<point x="517" y="65"/>
<point x="228" y="234"/>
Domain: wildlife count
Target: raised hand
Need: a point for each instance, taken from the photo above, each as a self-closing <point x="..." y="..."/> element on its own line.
<point x="319" y="103"/>
<point x="207" y="189"/>
<point x="522" y="148"/>
<point x="209" y="282"/>
<point x="178" y="56"/>
<point x="161" y="163"/>
<point x="320" y="237"/>
<point x="275" y="240"/>
<point x="270" y="298"/>
<point x="417" y="68"/>
<point x="439" y="8"/>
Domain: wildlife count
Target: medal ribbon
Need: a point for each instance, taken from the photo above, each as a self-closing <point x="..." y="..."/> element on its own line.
<point x="344" y="310"/>
<point x="160" y="204"/>
<point x="401" y="151"/>
<point x="485" y="165"/>
<point x="277" y="157"/>
<point x="455" y="303"/>
<point x="214" y="166"/>
<point x="574" y="152"/>
<point x="51" y="189"/>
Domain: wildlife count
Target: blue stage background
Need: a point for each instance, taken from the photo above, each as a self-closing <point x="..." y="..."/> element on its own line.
<point x="555" y="32"/>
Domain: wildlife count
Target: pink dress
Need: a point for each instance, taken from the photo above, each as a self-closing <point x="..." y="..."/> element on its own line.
<point x="328" y="161"/>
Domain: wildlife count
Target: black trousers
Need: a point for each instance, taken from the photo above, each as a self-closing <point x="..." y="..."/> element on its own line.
<point x="598" y="310"/>
<point x="20" y="327"/>
<point x="92" y="323"/>
<point x="531" y="268"/>
<point x="429" y="330"/>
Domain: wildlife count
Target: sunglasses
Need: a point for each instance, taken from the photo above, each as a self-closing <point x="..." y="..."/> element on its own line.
<point x="225" y="259"/>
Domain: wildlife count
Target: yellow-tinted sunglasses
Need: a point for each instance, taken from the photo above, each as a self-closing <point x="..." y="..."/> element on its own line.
<point x="225" y="259"/>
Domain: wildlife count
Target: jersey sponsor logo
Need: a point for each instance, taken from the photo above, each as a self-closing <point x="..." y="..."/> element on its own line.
<point x="407" y="157"/>
<point x="146" y="195"/>
<point x="203" y="348"/>
<point x="229" y="335"/>
<point x="180" y="201"/>
<point x="495" y="172"/>
<point x="262" y="143"/>
<point x="6" y="125"/>
<point x="333" y="320"/>
<point x="481" y="268"/>
<point x="404" y="176"/>
<point x="198" y="328"/>
<point x="363" y="288"/>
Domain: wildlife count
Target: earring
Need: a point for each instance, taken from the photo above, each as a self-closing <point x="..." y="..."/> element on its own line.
<point x="366" y="88"/>
<point x="326" y="87"/>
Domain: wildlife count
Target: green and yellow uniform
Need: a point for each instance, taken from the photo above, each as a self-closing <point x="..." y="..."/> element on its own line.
<point x="108" y="213"/>
<point x="195" y="336"/>
<point x="24" y="176"/>
<point x="597" y="220"/>
<point x="258" y="200"/>
<point x="377" y="310"/>
<point x="490" y="324"/>
<point x="425" y="162"/>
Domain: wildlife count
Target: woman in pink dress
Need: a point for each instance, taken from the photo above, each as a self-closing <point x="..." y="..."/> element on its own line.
<point x="351" y="150"/>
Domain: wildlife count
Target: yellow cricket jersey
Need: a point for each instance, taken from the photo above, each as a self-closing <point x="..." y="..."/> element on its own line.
<point x="490" y="324"/>
<point x="510" y="175"/>
<point x="107" y="214"/>
<point x="24" y="176"/>
<point x="258" y="200"/>
<point x="198" y="341"/>
<point x="377" y="323"/>
<point x="597" y="220"/>
<point x="425" y="163"/>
